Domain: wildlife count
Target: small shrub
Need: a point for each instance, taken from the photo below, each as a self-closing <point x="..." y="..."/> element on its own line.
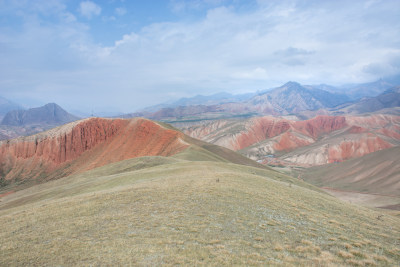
<point x="345" y="254"/>
<point x="357" y="253"/>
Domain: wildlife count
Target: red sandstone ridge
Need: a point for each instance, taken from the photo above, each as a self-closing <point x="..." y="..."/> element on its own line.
<point x="320" y="125"/>
<point x="256" y="130"/>
<point x="356" y="148"/>
<point x="319" y="140"/>
<point x="357" y="129"/>
<point x="84" y="145"/>
<point x="260" y="129"/>
<point x="289" y="141"/>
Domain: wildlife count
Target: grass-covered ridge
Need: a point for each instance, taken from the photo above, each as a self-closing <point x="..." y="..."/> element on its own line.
<point x="156" y="210"/>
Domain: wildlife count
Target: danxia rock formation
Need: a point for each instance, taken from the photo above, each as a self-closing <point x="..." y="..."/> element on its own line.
<point x="84" y="145"/>
<point x="321" y="140"/>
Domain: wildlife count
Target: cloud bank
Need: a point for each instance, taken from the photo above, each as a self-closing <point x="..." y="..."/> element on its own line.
<point x="48" y="50"/>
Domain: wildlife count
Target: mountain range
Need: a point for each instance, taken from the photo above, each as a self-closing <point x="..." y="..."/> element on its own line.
<point x="215" y="99"/>
<point x="305" y="101"/>
<point x="390" y="99"/>
<point x="358" y="91"/>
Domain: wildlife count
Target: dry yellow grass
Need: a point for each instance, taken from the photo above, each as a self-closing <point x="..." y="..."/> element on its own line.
<point x="173" y="212"/>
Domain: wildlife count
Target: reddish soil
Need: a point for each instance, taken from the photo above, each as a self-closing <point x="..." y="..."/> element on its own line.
<point x="6" y="194"/>
<point x="88" y="144"/>
<point x="64" y="146"/>
<point x="261" y="129"/>
<point x="288" y="141"/>
<point x="356" y="148"/>
<point x="356" y="130"/>
<point x="319" y="125"/>
<point x="390" y="133"/>
<point x="364" y="134"/>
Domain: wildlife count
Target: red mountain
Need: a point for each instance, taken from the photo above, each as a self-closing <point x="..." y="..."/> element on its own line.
<point x="323" y="139"/>
<point x="84" y="145"/>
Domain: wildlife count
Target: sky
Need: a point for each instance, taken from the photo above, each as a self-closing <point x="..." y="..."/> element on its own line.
<point x="121" y="55"/>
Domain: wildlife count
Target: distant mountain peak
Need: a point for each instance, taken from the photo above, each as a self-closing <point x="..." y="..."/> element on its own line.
<point x="291" y="84"/>
<point x="49" y="114"/>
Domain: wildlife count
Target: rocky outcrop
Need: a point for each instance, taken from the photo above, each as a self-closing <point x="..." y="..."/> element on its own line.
<point x="59" y="146"/>
<point x="84" y="145"/>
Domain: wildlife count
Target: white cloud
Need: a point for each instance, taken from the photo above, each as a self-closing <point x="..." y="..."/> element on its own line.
<point x="89" y="9"/>
<point x="226" y="50"/>
<point x="120" y="11"/>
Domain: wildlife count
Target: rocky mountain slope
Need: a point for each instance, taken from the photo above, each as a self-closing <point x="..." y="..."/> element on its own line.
<point x="321" y="140"/>
<point x="293" y="97"/>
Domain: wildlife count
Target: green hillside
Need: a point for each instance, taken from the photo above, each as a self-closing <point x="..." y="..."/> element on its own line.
<point x="172" y="211"/>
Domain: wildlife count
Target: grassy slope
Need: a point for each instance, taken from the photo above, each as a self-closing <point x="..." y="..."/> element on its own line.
<point x="377" y="172"/>
<point x="154" y="210"/>
<point x="204" y="151"/>
<point x="213" y="152"/>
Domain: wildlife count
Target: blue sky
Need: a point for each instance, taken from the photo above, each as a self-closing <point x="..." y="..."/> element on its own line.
<point x="124" y="55"/>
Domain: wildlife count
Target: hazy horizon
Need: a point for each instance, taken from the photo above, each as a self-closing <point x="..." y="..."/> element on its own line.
<point x="120" y="56"/>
